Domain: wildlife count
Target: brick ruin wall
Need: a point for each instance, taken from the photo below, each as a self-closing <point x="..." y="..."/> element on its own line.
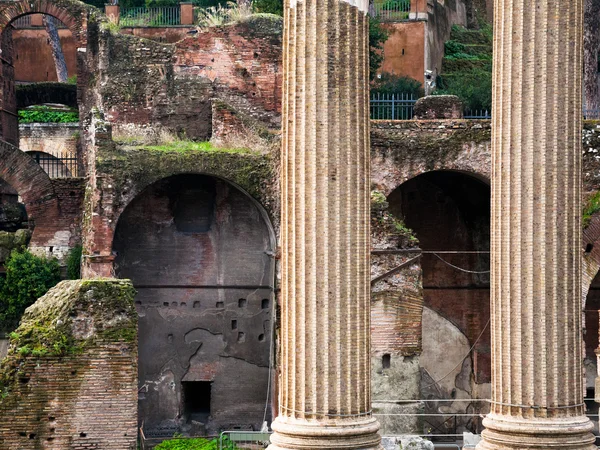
<point x="70" y="379"/>
<point x="176" y="83"/>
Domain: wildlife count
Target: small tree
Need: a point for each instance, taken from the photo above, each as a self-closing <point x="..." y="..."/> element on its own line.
<point x="377" y="37"/>
<point x="28" y="277"/>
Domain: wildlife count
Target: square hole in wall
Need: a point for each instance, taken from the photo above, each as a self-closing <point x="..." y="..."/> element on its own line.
<point x="196" y="400"/>
<point x="386" y="361"/>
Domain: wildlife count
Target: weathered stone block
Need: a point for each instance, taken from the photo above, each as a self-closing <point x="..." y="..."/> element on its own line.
<point x="439" y="107"/>
<point x="70" y="378"/>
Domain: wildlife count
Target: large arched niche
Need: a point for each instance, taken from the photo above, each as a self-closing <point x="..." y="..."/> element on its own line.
<point x="449" y="211"/>
<point x="200" y="253"/>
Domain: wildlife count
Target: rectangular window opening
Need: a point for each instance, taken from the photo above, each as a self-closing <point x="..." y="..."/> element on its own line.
<point x="196" y="400"/>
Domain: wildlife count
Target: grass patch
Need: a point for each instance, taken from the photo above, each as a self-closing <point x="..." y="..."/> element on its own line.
<point x="192" y="146"/>
<point x="592" y="207"/>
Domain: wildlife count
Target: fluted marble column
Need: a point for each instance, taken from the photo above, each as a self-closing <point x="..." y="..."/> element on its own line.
<point x="324" y="398"/>
<point x="537" y="372"/>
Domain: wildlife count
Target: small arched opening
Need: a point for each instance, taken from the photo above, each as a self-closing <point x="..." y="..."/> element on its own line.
<point x="199" y="252"/>
<point x="22" y="21"/>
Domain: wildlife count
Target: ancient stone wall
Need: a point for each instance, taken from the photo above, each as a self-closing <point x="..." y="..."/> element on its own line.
<point x="57" y="139"/>
<point x="144" y="82"/>
<point x="70" y="378"/>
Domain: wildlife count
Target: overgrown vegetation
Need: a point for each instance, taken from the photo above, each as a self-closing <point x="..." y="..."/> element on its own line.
<point x="213" y="16"/>
<point x="386" y="222"/>
<point x="74" y="263"/>
<point x="467" y="67"/>
<point x="268" y="6"/>
<point x="192" y="146"/>
<point x="591" y="207"/>
<point x="28" y="277"/>
<point x="389" y="83"/>
<point x="45" y="114"/>
<point x="195" y="444"/>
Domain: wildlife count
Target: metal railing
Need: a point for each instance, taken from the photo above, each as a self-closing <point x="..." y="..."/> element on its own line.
<point x="25" y="22"/>
<point x="143" y="16"/>
<point x="392" y="106"/>
<point x="244" y="440"/>
<point x="477" y="114"/>
<point x="65" y="165"/>
<point x="390" y="10"/>
<point x="591" y="114"/>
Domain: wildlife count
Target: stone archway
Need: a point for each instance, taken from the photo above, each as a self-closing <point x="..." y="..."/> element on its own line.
<point x="74" y="14"/>
<point x="35" y="188"/>
<point x="199" y="252"/>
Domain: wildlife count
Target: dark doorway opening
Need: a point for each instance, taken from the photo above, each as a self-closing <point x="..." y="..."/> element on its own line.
<point x="196" y="400"/>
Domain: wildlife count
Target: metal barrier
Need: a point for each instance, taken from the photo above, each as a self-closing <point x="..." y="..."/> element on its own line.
<point x="244" y="440"/>
<point x="392" y="106"/>
<point x="390" y="10"/>
<point x="65" y="165"/>
<point x="143" y="16"/>
<point x="477" y="114"/>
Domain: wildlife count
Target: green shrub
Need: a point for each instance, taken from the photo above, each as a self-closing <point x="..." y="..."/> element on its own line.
<point x="389" y="83"/>
<point x="28" y="277"/>
<point x="473" y="86"/>
<point x="268" y="6"/>
<point x="44" y="114"/>
<point x="74" y="263"/>
<point x="194" y="444"/>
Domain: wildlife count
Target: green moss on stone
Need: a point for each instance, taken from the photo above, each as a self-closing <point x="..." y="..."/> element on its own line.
<point x="71" y="317"/>
<point x="134" y="169"/>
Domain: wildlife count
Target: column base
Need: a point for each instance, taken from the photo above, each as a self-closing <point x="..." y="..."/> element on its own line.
<point x="328" y="434"/>
<point x="511" y="433"/>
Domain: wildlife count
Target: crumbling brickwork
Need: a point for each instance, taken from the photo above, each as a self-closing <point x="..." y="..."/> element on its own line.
<point x="175" y="83"/>
<point x="70" y="378"/>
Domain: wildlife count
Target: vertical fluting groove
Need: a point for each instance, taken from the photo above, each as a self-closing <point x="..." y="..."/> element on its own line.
<point x="325" y="325"/>
<point x="537" y="378"/>
<point x="283" y="342"/>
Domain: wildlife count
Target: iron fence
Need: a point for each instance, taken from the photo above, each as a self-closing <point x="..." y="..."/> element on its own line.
<point x="390" y="10"/>
<point x="591" y="114"/>
<point x="477" y="114"/>
<point x="392" y="106"/>
<point x="65" y="165"/>
<point x="25" y="22"/>
<point x="143" y="16"/>
<point x="244" y="440"/>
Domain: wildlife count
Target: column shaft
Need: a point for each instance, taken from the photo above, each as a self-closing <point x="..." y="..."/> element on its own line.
<point x="325" y="400"/>
<point x="537" y="372"/>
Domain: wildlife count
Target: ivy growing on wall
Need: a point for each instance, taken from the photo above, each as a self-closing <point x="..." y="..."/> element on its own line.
<point x="45" y="114"/>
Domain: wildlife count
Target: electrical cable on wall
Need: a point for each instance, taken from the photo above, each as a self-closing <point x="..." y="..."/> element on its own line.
<point x="460" y="268"/>
<point x="462" y="360"/>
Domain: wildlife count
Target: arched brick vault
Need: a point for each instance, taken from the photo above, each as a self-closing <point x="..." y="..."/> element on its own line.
<point x="402" y="151"/>
<point x="120" y="181"/>
<point x="139" y="189"/>
<point x="35" y="188"/>
<point x="74" y="14"/>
